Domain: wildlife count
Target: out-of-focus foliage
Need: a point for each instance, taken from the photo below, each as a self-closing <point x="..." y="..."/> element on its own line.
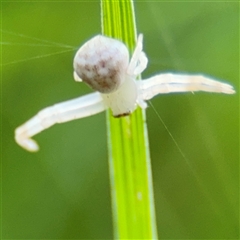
<point x="63" y="190"/>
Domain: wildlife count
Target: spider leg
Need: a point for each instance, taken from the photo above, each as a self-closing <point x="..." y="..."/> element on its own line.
<point x="143" y="61"/>
<point x="58" y="113"/>
<point x="139" y="60"/>
<point x="76" y="77"/>
<point x="168" y="83"/>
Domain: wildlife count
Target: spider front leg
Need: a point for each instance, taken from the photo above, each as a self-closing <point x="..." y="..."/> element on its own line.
<point x="58" y="113"/>
<point x="168" y="83"/>
<point x="139" y="60"/>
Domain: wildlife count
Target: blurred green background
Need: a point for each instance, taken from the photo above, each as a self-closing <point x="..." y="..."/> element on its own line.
<point x="62" y="192"/>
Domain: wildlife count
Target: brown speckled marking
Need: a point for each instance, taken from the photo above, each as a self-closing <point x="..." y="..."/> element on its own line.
<point x="88" y="67"/>
<point x="102" y="63"/>
<point x="104" y="83"/>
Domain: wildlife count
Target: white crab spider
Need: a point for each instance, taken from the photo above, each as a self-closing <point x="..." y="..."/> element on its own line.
<point x="103" y="63"/>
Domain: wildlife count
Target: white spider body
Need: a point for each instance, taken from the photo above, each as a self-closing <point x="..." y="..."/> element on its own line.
<point x="103" y="63"/>
<point x="123" y="101"/>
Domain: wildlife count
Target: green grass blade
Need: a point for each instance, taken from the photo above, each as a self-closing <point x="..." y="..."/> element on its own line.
<point x="129" y="160"/>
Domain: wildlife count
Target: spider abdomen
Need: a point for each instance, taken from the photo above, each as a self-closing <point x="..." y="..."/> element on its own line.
<point x="101" y="63"/>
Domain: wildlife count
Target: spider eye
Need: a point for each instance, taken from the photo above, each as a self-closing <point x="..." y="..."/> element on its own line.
<point x="101" y="63"/>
